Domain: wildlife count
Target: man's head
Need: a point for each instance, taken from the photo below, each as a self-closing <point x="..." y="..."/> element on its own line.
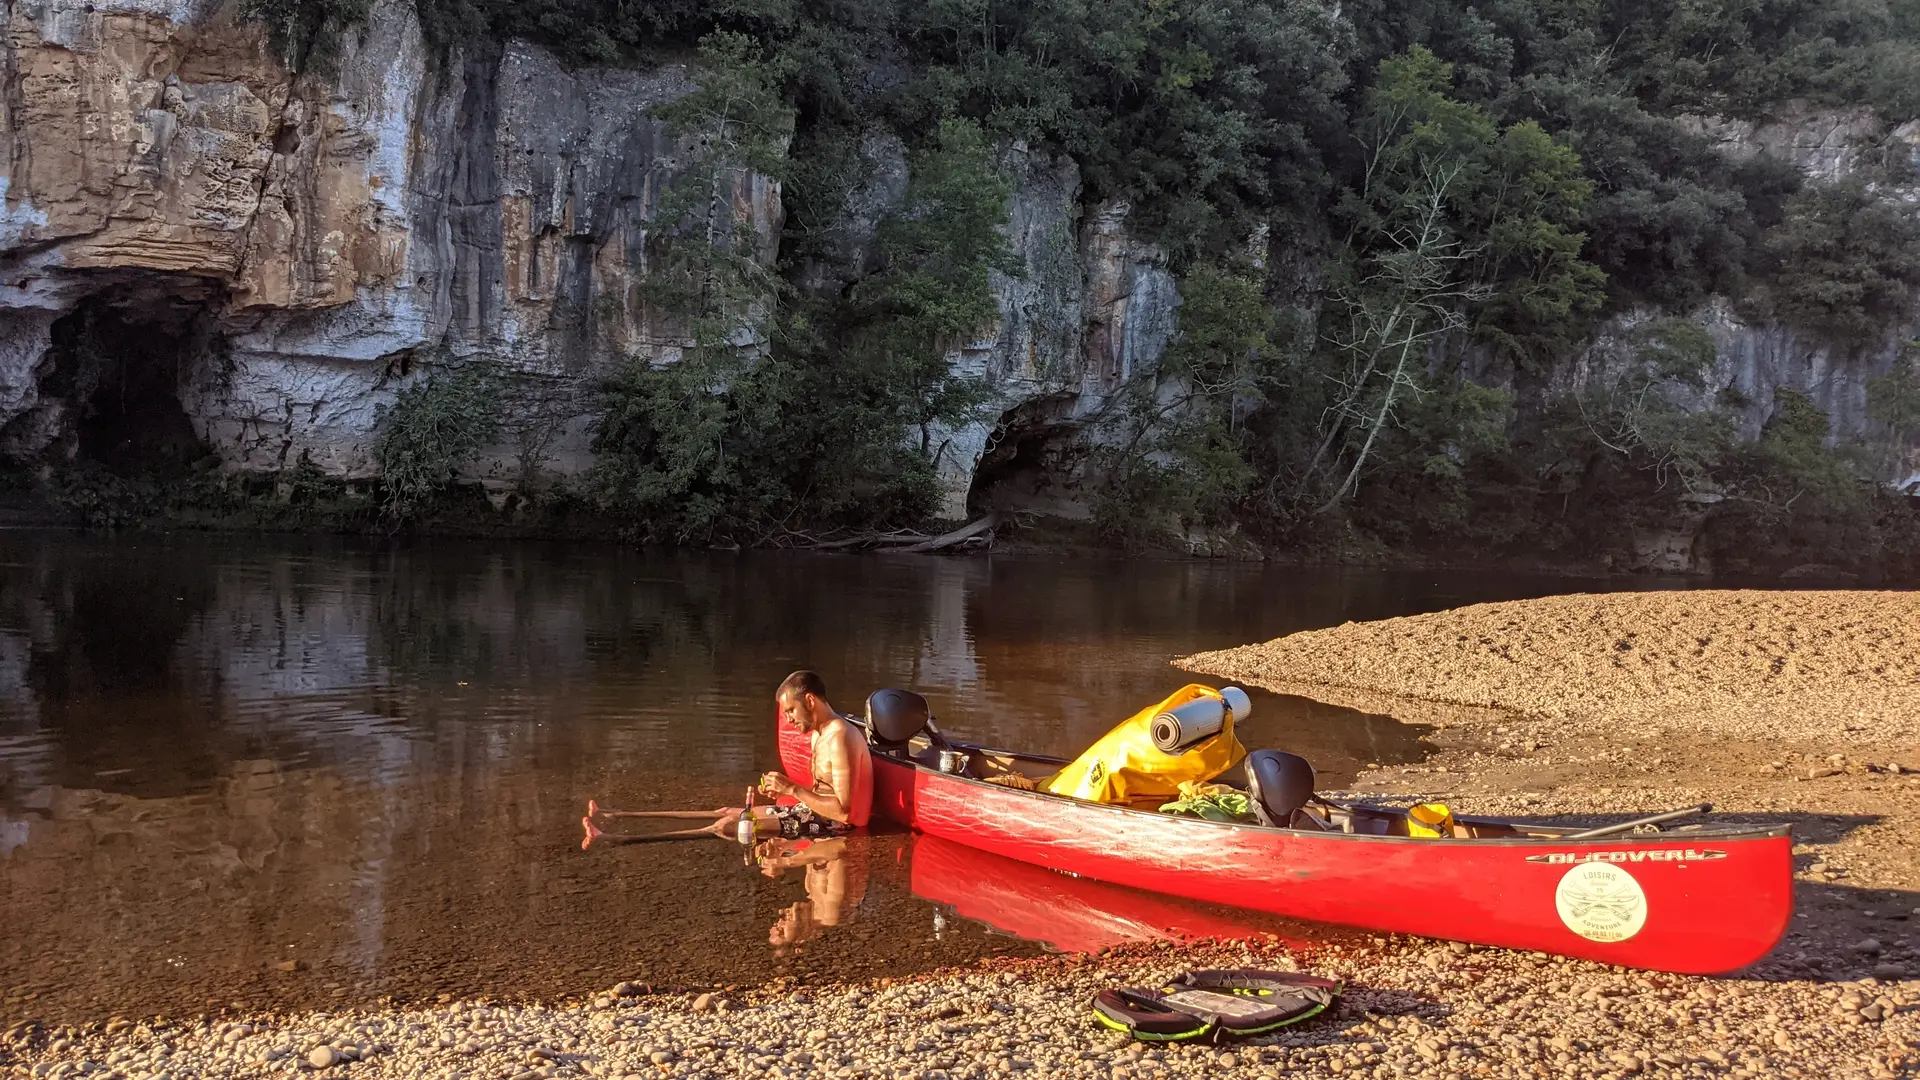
<point x="803" y="700"/>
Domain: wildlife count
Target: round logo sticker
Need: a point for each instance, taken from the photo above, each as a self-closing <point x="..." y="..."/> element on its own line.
<point x="1601" y="902"/>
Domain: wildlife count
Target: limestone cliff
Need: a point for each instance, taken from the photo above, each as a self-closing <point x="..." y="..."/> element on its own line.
<point x="325" y="233"/>
<point x="305" y="241"/>
<point x="1755" y="358"/>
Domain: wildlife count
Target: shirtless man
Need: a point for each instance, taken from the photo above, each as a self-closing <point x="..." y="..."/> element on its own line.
<point x="839" y="800"/>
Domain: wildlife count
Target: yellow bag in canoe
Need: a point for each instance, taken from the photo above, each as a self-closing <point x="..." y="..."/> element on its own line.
<point x="1430" y="820"/>
<point x="1126" y="765"/>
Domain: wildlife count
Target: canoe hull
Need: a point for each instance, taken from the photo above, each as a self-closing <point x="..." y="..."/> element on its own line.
<point x="1695" y="905"/>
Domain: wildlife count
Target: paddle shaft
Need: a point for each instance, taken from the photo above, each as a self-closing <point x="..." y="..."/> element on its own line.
<point x="1629" y="826"/>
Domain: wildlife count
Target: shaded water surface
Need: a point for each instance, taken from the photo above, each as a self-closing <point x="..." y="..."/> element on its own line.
<point x="280" y="772"/>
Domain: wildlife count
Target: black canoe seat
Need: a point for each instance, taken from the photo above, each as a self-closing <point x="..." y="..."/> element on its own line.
<point x="894" y="718"/>
<point x="1279" y="785"/>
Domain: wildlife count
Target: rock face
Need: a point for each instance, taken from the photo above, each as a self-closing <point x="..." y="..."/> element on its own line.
<point x="309" y="244"/>
<point x="1755" y="359"/>
<point x="1090" y="308"/>
<point x="327" y="234"/>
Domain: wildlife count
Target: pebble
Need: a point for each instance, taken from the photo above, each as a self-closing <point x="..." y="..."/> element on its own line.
<point x="323" y="1057"/>
<point x="702" y="1003"/>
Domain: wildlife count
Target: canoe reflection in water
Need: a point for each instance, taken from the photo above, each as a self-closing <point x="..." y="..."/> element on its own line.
<point x="835" y="873"/>
<point x="1060" y="911"/>
<point x="1064" y="912"/>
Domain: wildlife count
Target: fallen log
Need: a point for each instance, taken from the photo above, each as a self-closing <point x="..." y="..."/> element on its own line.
<point x="961" y="535"/>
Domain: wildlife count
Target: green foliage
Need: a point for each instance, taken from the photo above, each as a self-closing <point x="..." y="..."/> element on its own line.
<point x="1893" y="400"/>
<point x="1477" y="181"/>
<point x="101" y="499"/>
<point x="737" y="113"/>
<point x="1746" y="57"/>
<point x="1202" y="113"/>
<point x="726" y="447"/>
<point x="1459" y="238"/>
<point x="1224" y="806"/>
<point x="1509" y="203"/>
<point x="1644" y="416"/>
<point x="934" y="291"/>
<point x="1790" y="492"/>
<point x="778" y="445"/>
<point x="1184" y="452"/>
<point x="1845" y="263"/>
<point x="435" y="426"/>
<point x="306" y="33"/>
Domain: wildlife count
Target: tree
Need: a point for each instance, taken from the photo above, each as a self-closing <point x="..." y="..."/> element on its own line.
<point x="934" y="290"/>
<point x="1640" y="415"/>
<point x="1409" y="285"/>
<point x="662" y="446"/>
<point x="1183" y="445"/>
<point x="1893" y="400"/>
<point x="1844" y="264"/>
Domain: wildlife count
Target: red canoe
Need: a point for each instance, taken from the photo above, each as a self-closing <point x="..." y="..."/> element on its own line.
<point x="1697" y="900"/>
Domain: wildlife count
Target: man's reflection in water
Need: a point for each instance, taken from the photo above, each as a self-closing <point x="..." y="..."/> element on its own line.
<point x="835" y="871"/>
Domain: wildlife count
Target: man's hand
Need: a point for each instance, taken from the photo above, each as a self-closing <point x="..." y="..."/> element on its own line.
<point x="776" y="784"/>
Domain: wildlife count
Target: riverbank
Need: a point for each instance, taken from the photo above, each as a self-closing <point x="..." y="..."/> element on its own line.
<point x="310" y="504"/>
<point x="1412" y="1009"/>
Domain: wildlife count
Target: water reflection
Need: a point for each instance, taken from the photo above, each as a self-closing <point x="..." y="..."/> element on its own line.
<point x="1073" y="914"/>
<point x="295" y="770"/>
<point x="834" y="873"/>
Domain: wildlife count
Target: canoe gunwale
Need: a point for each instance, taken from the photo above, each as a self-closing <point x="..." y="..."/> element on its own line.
<point x="1727" y="833"/>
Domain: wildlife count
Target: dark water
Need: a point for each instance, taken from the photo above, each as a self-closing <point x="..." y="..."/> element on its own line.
<point x="221" y="757"/>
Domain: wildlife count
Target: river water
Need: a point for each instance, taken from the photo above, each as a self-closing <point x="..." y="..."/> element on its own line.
<point x="281" y="772"/>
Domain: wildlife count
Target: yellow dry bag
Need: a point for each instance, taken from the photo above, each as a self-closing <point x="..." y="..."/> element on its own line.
<point x="1126" y="764"/>
<point x="1430" y="820"/>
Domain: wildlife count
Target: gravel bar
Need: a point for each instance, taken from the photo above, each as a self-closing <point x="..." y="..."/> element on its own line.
<point x="1412" y="1009"/>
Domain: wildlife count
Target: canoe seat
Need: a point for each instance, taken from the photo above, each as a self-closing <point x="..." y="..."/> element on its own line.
<point x="895" y="717"/>
<point x="1278" y="785"/>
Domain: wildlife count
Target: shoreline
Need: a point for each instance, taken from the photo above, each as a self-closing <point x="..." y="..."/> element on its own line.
<point x="1411" y="1008"/>
<point x="1013" y="546"/>
<point x="1777" y="707"/>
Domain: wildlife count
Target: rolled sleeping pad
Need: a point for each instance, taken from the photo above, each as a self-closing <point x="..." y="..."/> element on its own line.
<point x="1184" y="727"/>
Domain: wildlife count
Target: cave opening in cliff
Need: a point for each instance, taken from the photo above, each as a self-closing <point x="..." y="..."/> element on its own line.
<point x="118" y="360"/>
<point x="1032" y="465"/>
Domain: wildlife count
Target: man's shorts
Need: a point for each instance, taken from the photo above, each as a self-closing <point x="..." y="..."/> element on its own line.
<point x="798" y="821"/>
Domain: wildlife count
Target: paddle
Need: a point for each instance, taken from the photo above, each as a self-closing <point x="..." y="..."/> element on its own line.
<point x="1629" y="826"/>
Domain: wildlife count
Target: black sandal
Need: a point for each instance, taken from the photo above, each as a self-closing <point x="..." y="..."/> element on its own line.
<point x="1215" y="1003"/>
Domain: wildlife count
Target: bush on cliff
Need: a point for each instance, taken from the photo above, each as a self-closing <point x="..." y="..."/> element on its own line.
<point x="435" y="426"/>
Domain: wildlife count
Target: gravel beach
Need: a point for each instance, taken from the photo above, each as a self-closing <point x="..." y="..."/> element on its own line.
<point x="1837" y="667"/>
<point x="1412" y="1009"/>
<point x="1795" y="707"/>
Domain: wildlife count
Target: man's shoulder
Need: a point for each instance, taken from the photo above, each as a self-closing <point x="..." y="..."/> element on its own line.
<point x="848" y="731"/>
